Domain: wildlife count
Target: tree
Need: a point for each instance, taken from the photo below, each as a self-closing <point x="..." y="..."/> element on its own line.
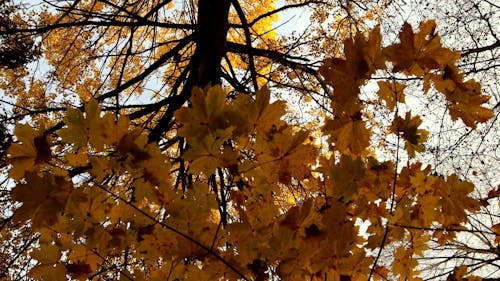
<point x="157" y="147"/>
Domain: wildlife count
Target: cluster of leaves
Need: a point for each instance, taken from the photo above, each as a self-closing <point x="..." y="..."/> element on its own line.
<point x="14" y="50"/>
<point x="469" y="26"/>
<point x="244" y="194"/>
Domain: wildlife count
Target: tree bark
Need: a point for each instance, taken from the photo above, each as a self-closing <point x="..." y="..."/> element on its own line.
<point x="213" y="25"/>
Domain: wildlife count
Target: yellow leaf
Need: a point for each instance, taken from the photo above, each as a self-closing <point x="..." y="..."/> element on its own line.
<point x="266" y="115"/>
<point x="76" y="131"/>
<point x="496" y="229"/>
<point x="48" y="272"/>
<point x="81" y="253"/>
<point x="458" y="273"/>
<point x="47" y="254"/>
<point x="464" y="98"/>
<point x="78" y="159"/>
<point x="89" y="127"/>
<point x="349" y="136"/>
<point x="284" y="156"/>
<point x="362" y="57"/>
<point x="204" y="154"/>
<point x="208" y="112"/>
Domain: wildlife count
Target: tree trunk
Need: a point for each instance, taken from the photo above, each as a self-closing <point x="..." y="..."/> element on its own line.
<point x="205" y="64"/>
<point x="212" y="30"/>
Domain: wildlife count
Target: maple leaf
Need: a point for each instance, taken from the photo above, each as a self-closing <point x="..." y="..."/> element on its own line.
<point x="207" y="112"/>
<point x="346" y="88"/>
<point x="259" y="200"/>
<point x="89" y="127"/>
<point x="349" y="135"/>
<point x="47" y="254"/>
<point x="247" y="115"/>
<point x="465" y="98"/>
<point x="391" y="93"/>
<point x="459" y="273"/>
<point x="496" y="229"/>
<point x="32" y="150"/>
<point x="408" y="129"/>
<point x="205" y="154"/>
<point x="284" y="156"/>
<point x="347" y="175"/>
<point x="157" y="242"/>
<point x="419" y="242"/>
<point x="403" y="263"/>
<point x="86" y="259"/>
<point x="132" y="145"/>
<point x="418" y="53"/>
<point x="48" y="272"/>
<point x="300" y="217"/>
<point x="455" y="200"/>
<point x="152" y="178"/>
<point x="77" y="130"/>
<point x="78" y="269"/>
<point x="362" y="58"/>
<point x="471" y="113"/>
<point x="53" y="194"/>
<point x="263" y="115"/>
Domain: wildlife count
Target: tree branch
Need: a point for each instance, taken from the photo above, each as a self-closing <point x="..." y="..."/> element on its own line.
<point x="248" y="40"/>
<point x="481" y="49"/>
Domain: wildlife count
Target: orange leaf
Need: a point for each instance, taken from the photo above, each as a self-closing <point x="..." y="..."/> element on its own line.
<point x="408" y="129"/>
<point x="391" y="93"/>
<point x="418" y="53"/>
<point x="44" y="199"/>
<point x="31" y="149"/>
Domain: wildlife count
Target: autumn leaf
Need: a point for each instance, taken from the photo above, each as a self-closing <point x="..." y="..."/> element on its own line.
<point x="408" y="129"/>
<point x="264" y="115"/>
<point x="44" y="199"/>
<point x="362" y="57"/>
<point x="459" y="273"/>
<point x="31" y="150"/>
<point x="179" y="163"/>
<point x="78" y="269"/>
<point x="496" y="228"/>
<point x="299" y="218"/>
<point x="77" y="131"/>
<point x="455" y="200"/>
<point x="391" y="93"/>
<point x="341" y="233"/>
<point x="417" y="53"/>
<point x="47" y="254"/>
<point x="207" y="112"/>
<point x="92" y="127"/>
<point x="205" y="154"/>
<point x="347" y="175"/>
<point x="284" y="156"/>
<point x="403" y="264"/>
<point x="471" y="113"/>
<point x="348" y="135"/>
<point x="465" y="100"/>
<point x="48" y="272"/>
